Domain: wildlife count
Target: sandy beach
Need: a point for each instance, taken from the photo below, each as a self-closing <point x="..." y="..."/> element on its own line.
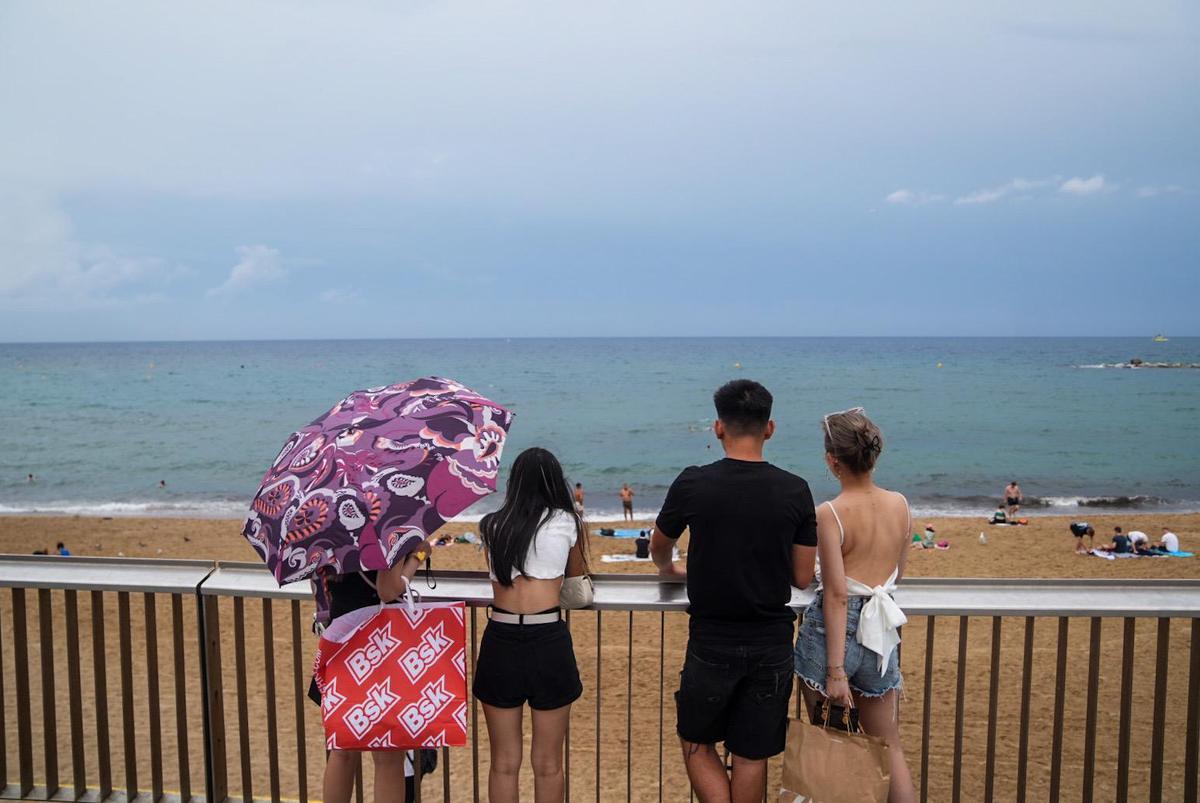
<point x="1041" y="549"/>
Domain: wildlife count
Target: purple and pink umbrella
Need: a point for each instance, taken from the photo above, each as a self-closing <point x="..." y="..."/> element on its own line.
<point x="367" y="483"/>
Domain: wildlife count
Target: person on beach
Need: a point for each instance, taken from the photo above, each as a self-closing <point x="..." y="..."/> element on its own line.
<point x="536" y="548"/>
<point x="752" y="536"/>
<point x="626" y="494"/>
<point x="347" y="593"/>
<point x="1120" y="545"/>
<point x="641" y="545"/>
<point x="62" y="550"/>
<point x="1000" y="516"/>
<point x="579" y="499"/>
<point x="1169" y="540"/>
<point x="1079" y="529"/>
<point x="846" y="649"/>
<point x="1013" y="499"/>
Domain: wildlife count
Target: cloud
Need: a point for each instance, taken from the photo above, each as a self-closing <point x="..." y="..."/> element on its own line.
<point x="42" y="264"/>
<point x="1150" y="191"/>
<point x="1086" y="186"/>
<point x="257" y="265"/>
<point x="340" y="296"/>
<point x="1017" y="186"/>
<point x="913" y="197"/>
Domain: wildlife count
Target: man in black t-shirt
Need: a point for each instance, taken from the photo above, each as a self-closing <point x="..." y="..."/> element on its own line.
<point x="753" y="534"/>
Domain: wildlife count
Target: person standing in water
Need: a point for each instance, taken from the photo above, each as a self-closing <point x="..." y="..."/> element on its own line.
<point x="626" y="494"/>
<point x="1013" y="499"/>
<point x="846" y="650"/>
<point x="579" y="499"/>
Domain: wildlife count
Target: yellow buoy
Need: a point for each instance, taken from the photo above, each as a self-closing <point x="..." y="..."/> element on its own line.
<point x="939" y="365"/>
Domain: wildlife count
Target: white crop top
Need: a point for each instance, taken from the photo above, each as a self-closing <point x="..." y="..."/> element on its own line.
<point x="547" y="556"/>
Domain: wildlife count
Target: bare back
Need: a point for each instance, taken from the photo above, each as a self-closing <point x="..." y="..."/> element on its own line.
<point x="876" y="525"/>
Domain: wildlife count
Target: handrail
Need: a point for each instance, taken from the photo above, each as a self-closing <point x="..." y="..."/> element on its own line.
<point x="228" y="665"/>
<point x="161" y="575"/>
<point x="917" y="596"/>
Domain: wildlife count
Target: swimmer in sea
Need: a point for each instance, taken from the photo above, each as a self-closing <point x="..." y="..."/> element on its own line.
<point x="579" y="499"/>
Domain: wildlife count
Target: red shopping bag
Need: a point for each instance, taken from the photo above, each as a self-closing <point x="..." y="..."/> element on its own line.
<point x="394" y="678"/>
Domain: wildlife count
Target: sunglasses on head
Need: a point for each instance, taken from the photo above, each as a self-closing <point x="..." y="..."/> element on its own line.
<point x="840" y="412"/>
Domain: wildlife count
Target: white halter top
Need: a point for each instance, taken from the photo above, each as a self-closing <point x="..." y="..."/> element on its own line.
<point x="880" y="618"/>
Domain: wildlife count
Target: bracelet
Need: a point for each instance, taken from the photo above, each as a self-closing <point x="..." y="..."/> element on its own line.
<point x="830" y="676"/>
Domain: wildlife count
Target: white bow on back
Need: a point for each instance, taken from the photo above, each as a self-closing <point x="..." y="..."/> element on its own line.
<point x="880" y="618"/>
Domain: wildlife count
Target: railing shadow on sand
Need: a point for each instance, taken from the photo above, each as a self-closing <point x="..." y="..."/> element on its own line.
<point x="1047" y="689"/>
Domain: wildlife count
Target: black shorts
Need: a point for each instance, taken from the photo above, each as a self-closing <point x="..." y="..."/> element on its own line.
<point x="527" y="663"/>
<point x="736" y="694"/>
<point x="627" y="504"/>
<point x="1012" y="501"/>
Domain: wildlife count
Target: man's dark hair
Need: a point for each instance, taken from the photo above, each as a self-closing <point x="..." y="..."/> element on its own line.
<point x="579" y="485"/>
<point x="59" y="545"/>
<point x="744" y="406"/>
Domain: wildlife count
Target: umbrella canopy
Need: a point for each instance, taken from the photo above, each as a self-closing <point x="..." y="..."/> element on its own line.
<point x="365" y="484"/>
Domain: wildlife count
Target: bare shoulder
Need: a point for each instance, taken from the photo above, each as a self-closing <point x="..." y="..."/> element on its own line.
<point x="898" y="503"/>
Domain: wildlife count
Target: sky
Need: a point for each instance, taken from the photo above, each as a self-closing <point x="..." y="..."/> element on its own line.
<point x="306" y="169"/>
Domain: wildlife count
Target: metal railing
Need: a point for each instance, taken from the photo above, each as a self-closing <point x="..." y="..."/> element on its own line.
<point x="1036" y="696"/>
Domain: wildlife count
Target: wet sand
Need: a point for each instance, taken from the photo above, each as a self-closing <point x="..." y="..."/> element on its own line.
<point x="1043" y="549"/>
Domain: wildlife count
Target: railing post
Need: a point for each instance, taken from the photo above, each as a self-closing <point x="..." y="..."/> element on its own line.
<point x="21" y="658"/>
<point x="215" y="779"/>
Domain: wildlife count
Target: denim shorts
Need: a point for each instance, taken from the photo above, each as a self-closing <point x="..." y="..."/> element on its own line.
<point x="862" y="665"/>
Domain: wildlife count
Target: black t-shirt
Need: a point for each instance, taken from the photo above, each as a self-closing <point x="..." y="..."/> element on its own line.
<point x="744" y="518"/>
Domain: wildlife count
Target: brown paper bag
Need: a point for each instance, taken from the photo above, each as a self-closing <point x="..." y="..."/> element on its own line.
<point x="825" y="765"/>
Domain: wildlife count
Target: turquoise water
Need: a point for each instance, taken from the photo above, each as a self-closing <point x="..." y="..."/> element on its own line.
<point x="100" y="424"/>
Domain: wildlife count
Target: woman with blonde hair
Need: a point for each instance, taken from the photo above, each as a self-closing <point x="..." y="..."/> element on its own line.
<point x="846" y="650"/>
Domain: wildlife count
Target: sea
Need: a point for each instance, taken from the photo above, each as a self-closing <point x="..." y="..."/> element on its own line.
<point x="100" y="425"/>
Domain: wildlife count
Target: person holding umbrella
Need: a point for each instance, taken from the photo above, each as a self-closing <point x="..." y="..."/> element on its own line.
<point x="353" y="500"/>
<point x="346" y="593"/>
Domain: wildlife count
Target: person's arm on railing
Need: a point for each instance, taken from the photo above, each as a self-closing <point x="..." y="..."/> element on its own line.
<point x="672" y="521"/>
<point x="804" y="545"/>
<point x="662" y="548"/>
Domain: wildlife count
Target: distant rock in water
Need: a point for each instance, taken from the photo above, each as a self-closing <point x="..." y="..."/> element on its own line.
<point x="1138" y="362"/>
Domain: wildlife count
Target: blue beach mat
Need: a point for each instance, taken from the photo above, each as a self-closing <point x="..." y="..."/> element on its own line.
<point x="607" y="533"/>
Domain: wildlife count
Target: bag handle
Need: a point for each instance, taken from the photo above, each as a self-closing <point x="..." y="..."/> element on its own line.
<point x="410" y="594"/>
<point x="849" y="724"/>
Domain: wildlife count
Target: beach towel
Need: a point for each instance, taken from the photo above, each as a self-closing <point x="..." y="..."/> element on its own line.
<point x="610" y="533"/>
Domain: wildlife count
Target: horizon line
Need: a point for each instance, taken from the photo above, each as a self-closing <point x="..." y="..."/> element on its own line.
<point x="578" y="337"/>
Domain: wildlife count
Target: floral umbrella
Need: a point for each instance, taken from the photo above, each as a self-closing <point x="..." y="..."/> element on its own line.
<point x="365" y="484"/>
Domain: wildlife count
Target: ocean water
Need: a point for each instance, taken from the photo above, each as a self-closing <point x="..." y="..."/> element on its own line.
<point x="101" y="424"/>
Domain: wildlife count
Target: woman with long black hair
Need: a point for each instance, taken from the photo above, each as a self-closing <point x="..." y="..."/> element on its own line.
<point x="536" y="547"/>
